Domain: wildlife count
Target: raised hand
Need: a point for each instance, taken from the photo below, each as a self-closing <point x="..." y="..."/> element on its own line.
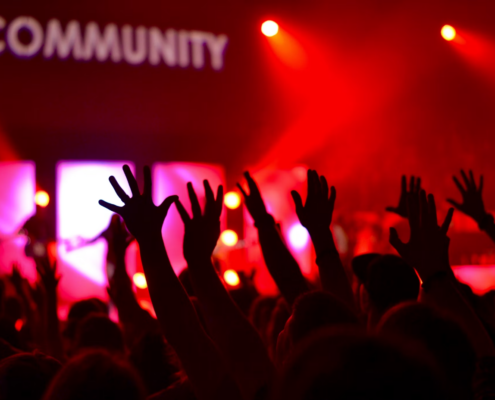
<point x="414" y="187"/>
<point x="253" y="201"/>
<point x="47" y="274"/>
<point x="17" y="279"/>
<point x="317" y="213"/>
<point x="203" y="229"/>
<point x="427" y="249"/>
<point x="142" y="217"/>
<point x="472" y="201"/>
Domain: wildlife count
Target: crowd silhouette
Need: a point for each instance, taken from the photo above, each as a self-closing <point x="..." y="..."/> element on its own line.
<point x="385" y="327"/>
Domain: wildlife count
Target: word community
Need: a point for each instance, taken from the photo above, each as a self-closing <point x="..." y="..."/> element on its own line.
<point x="25" y="37"/>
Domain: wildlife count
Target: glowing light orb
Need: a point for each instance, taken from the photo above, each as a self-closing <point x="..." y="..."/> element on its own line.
<point x="232" y="200"/>
<point x="298" y="236"/>
<point x="231" y="277"/>
<point x="140" y="280"/>
<point x="18" y="325"/>
<point x="448" y="32"/>
<point x="269" y="28"/>
<point x="229" y="237"/>
<point x="41" y="198"/>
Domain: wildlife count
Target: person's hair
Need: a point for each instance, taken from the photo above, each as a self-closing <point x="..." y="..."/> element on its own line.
<point x="344" y="363"/>
<point x="26" y="376"/>
<point x="390" y="281"/>
<point x="80" y="310"/>
<point x="98" y="331"/>
<point x="96" y="375"/>
<point x="443" y="338"/>
<point x="318" y="309"/>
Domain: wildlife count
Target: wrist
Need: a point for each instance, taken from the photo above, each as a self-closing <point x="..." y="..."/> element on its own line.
<point x="322" y="239"/>
<point x="264" y="220"/>
<point x="485" y="222"/>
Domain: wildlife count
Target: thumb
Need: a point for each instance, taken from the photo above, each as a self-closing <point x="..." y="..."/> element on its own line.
<point x="395" y="241"/>
<point x="297" y="202"/>
<point x="166" y="204"/>
<point x="454" y="203"/>
<point x="391" y="209"/>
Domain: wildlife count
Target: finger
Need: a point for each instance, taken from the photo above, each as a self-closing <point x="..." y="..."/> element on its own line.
<point x="391" y="209"/>
<point x="120" y="192"/>
<point x="316" y="182"/>
<point x="396" y="243"/>
<point x="413" y="211"/>
<point x="147" y="181"/>
<point x="131" y="180"/>
<point x="182" y="211"/>
<point x="193" y="198"/>
<point x="418" y="184"/>
<point x="471" y="178"/>
<point x="403" y="185"/>
<point x="333" y="196"/>
<point x="310" y="189"/>
<point x="242" y="190"/>
<point x="446" y="223"/>
<point x="459" y="186"/>
<point x="465" y="178"/>
<point x="411" y="184"/>
<point x="210" y="197"/>
<point x="252" y="185"/>
<point x="423" y="208"/>
<point x="480" y="188"/>
<point x="111" y="207"/>
<point x="454" y="203"/>
<point x="219" y="201"/>
<point x="297" y="202"/>
<point x="432" y="210"/>
<point x="164" y="207"/>
<point x="324" y="187"/>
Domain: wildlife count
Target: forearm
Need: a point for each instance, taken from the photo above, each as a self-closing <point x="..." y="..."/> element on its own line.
<point x="487" y="225"/>
<point x="280" y="263"/>
<point x="332" y="273"/>
<point x="180" y="323"/>
<point x="238" y="341"/>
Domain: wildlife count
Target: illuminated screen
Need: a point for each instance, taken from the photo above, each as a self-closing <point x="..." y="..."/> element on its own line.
<point x="18" y="187"/>
<point x="80" y="184"/>
<point x="171" y="179"/>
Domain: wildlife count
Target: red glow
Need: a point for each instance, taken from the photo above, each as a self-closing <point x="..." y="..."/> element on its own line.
<point x="481" y="278"/>
<point x="19" y="324"/>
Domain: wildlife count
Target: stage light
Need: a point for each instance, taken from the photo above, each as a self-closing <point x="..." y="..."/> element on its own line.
<point x="18" y="325"/>
<point x="298" y="236"/>
<point x="269" y="28"/>
<point x="232" y="200"/>
<point x="448" y="32"/>
<point x="231" y="277"/>
<point x="140" y="280"/>
<point x="228" y="237"/>
<point x="41" y="198"/>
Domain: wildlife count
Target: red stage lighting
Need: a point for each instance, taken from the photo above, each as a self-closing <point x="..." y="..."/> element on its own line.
<point x="448" y="32"/>
<point x="269" y="28"/>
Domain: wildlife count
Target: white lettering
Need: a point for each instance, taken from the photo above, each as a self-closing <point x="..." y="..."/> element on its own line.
<point x="36" y="30"/>
<point x="134" y="54"/>
<point x="2" y="25"/>
<point x="184" y="49"/>
<point x="198" y="39"/>
<point x="63" y="44"/>
<point x="216" y="45"/>
<point x="163" y="47"/>
<point x="104" y="46"/>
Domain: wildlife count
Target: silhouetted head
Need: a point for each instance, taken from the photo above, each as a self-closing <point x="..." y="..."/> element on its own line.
<point x="387" y="281"/>
<point x="26" y="376"/>
<point x="81" y="309"/>
<point x="96" y="375"/>
<point x="98" y="331"/>
<point x="312" y="311"/>
<point x="443" y="338"/>
<point x="344" y="364"/>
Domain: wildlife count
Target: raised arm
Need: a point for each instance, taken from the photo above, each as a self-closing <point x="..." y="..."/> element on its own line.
<point x="174" y="310"/>
<point x="427" y="252"/>
<point x="280" y="263"/>
<point x="316" y="217"/>
<point x="240" y="344"/>
<point x="472" y="203"/>
<point x="414" y="187"/>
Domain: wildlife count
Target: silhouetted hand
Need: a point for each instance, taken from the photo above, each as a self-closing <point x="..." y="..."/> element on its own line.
<point x="47" y="274"/>
<point x="16" y="278"/>
<point x="414" y="187"/>
<point x="142" y="217"/>
<point x="254" y="202"/>
<point x="202" y="230"/>
<point x="472" y="201"/>
<point x="317" y="213"/>
<point x="427" y="249"/>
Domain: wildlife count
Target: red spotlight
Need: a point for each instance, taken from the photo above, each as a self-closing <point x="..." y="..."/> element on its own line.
<point x="448" y="33"/>
<point x="269" y="28"/>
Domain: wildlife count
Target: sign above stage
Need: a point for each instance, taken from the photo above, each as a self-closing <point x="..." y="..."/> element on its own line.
<point x="25" y="37"/>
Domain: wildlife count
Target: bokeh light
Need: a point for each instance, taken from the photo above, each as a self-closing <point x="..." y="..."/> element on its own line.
<point x="140" y="280"/>
<point x="229" y="237"/>
<point x="231" y="277"/>
<point x="269" y="28"/>
<point x="41" y="198"/>
<point x="232" y="200"/>
<point x="448" y="32"/>
<point x="298" y="236"/>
